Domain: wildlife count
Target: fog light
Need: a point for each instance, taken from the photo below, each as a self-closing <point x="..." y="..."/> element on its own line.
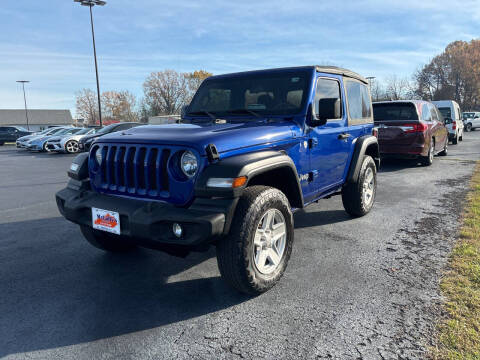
<point x="177" y="230"/>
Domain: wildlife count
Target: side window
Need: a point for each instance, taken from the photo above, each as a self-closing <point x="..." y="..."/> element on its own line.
<point x="426" y="115"/>
<point x="327" y="89"/>
<point x="3" y="129"/>
<point x="359" y="104"/>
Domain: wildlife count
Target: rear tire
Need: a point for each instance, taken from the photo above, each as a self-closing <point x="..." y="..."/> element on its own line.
<point x="455" y="139"/>
<point x="105" y="241"/>
<point x="255" y="254"/>
<point x="428" y="160"/>
<point x="468" y="127"/>
<point x="358" y="197"/>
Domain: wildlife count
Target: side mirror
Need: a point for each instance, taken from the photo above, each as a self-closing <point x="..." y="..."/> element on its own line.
<point x="184" y="110"/>
<point x="476" y="117"/>
<point x="327" y="108"/>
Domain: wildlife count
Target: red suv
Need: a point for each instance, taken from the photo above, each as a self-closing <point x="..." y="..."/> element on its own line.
<point x="410" y="129"/>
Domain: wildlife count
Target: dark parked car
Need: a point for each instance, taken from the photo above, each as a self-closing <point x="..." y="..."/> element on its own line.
<point x="12" y="133"/>
<point x="410" y="129"/>
<point x="85" y="142"/>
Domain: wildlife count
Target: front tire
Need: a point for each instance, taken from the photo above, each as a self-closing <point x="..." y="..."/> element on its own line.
<point x="254" y="256"/>
<point x="469" y="127"/>
<point x="358" y="197"/>
<point x="71" y="147"/>
<point x="106" y="241"/>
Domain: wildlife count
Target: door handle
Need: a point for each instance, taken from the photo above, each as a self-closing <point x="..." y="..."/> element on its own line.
<point x="343" y="136"/>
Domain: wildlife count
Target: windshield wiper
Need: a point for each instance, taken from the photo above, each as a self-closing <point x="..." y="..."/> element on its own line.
<point x="203" y="112"/>
<point x="244" y="111"/>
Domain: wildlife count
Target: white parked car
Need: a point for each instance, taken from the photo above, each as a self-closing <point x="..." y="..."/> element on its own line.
<point x="453" y="119"/>
<point x="68" y="143"/>
<point x="471" y="119"/>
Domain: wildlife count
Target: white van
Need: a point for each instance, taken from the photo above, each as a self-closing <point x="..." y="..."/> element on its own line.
<point x="471" y="119"/>
<point x="453" y="119"/>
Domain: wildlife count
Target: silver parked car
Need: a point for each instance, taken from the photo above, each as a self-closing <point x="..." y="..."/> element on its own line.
<point x="68" y="143"/>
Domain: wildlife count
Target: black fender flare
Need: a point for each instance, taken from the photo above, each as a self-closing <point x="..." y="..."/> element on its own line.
<point x="367" y="144"/>
<point x="249" y="165"/>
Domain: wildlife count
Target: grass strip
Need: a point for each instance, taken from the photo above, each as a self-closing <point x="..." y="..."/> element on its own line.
<point x="458" y="336"/>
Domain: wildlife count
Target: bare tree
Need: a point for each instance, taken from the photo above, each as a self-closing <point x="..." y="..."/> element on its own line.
<point x="166" y="91"/>
<point x="87" y="106"/>
<point x="119" y="106"/>
<point x="377" y="90"/>
<point x="397" y="88"/>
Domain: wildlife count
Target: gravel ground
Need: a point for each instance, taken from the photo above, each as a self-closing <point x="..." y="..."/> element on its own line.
<point x="354" y="289"/>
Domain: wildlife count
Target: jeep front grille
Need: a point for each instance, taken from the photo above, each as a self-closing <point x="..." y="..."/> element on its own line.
<point x="135" y="169"/>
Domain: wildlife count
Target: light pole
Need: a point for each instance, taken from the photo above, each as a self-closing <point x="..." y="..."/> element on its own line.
<point x="24" y="99"/>
<point x="90" y="4"/>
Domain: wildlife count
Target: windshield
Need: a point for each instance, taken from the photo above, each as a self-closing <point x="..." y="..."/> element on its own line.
<point x="83" y="131"/>
<point x="394" y="111"/>
<point x="53" y="131"/>
<point x="106" y="129"/>
<point x="446" y="112"/>
<point x="468" y="115"/>
<point x="22" y="129"/>
<point x="268" y="93"/>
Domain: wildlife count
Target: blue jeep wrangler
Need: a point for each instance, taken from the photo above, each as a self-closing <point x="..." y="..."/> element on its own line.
<point x="252" y="147"/>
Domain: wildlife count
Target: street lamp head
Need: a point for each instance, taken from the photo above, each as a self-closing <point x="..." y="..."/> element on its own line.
<point x="23" y="81"/>
<point x="91" y="2"/>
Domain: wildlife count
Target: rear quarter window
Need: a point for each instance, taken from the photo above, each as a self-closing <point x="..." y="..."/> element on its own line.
<point x="359" y="103"/>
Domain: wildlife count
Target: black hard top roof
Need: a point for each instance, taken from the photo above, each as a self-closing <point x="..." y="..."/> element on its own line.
<point x="324" y="69"/>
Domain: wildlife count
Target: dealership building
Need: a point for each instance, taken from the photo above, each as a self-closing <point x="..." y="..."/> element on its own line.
<point x="37" y="119"/>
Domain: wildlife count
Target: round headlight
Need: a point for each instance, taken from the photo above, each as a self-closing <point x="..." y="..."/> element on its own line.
<point x="189" y="163"/>
<point x="98" y="156"/>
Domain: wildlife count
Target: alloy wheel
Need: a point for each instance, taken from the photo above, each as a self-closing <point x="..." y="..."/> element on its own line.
<point x="269" y="241"/>
<point x="368" y="186"/>
<point x="72" y="147"/>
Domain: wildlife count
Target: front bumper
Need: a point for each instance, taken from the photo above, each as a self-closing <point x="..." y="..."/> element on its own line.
<point x="55" y="146"/>
<point x="149" y="222"/>
<point x="34" y="147"/>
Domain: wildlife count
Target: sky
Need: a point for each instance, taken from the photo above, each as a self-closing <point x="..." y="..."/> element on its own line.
<point x="49" y="42"/>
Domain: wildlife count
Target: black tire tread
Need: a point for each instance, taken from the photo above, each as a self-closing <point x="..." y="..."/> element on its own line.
<point x="233" y="258"/>
<point x="352" y="198"/>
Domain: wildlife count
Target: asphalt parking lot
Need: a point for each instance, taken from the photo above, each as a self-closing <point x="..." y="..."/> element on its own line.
<point x="354" y="288"/>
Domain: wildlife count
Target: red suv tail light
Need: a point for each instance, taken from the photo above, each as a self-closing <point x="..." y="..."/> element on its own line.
<point x="454" y="125"/>
<point x="414" y="128"/>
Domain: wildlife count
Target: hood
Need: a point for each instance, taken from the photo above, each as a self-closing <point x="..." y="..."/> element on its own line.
<point x="226" y="137"/>
<point x="28" y="137"/>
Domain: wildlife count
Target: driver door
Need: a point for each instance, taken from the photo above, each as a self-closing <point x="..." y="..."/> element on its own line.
<point x="329" y="144"/>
